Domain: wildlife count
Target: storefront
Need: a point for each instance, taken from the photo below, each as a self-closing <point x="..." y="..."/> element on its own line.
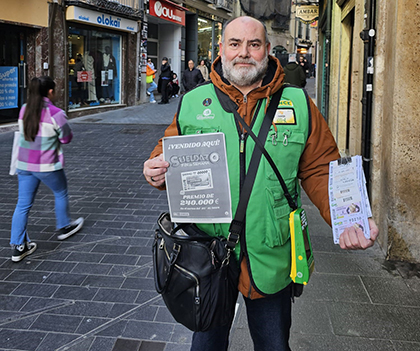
<point x="95" y="42"/>
<point x="166" y="28"/>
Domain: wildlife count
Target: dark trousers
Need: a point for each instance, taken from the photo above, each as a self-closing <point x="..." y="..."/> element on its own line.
<point x="269" y="321"/>
<point x="164" y="89"/>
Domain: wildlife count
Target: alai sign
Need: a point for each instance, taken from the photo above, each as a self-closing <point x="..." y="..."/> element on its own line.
<point x="167" y="11"/>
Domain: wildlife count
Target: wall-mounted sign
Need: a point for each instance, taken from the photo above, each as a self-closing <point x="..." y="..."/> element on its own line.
<point x="100" y="19"/>
<point x="307" y="13"/>
<point x="8" y="87"/>
<point x="167" y="11"/>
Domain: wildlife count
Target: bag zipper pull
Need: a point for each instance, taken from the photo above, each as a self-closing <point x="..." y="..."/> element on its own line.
<point x="242" y="146"/>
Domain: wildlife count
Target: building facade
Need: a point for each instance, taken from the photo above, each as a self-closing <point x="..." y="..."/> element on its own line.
<point x="368" y="87"/>
<point x="89" y="47"/>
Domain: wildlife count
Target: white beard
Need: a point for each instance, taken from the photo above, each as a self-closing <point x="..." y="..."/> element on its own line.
<point x="244" y="76"/>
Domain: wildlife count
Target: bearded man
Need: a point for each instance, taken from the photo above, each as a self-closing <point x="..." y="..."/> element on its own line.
<point x="246" y="76"/>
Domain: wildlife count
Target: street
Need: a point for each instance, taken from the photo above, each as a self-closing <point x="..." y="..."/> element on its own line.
<point x="95" y="290"/>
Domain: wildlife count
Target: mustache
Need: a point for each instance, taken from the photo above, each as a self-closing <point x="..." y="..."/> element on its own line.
<point x="247" y="61"/>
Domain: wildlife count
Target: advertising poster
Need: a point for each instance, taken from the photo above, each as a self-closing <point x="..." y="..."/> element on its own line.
<point x="197" y="181"/>
<point x="8" y="87"/>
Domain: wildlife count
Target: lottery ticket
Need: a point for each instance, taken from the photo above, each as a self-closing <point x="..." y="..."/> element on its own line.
<point x="349" y="201"/>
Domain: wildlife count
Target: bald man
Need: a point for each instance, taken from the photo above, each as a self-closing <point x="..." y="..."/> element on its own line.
<point x="301" y="145"/>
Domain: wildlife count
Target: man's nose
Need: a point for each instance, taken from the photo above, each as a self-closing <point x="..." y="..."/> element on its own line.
<point x="244" y="51"/>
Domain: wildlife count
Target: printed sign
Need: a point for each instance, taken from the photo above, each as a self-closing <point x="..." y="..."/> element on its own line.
<point x="82" y="15"/>
<point x="8" y="87"/>
<point x="197" y="181"/>
<point x="167" y="11"/>
<point x="307" y="13"/>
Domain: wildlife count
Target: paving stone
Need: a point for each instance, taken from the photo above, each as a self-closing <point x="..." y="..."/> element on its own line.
<point x="116" y="295"/>
<point x="145" y="313"/>
<point x="103" y="281"/>
<point x="55" y="340"/>
<point x="375" y="321"/>
<point x="7" y="288"/>
<point x="114" y="330"/>
<point x="66" y="278"/>
<point x="139" y="284"/>
<point x="148" y="331"/>
<point x="75" y="293"/>
<point x="152" y="346"/>
<point x="92" y="268"/>
<point x="36" y="304"/>
<point x="56" y="323"/>
<point x="20" y="339"/>
<point x="88" y="309"/>
<point x="12" y="303"/>
<point x="39" y="290"/>
<point x="126" y="345"/>
<point x="392" y="291"/>
<point x="102" y="344"/>
<point x="83" y="257"/>
<point x="90" y="323"/>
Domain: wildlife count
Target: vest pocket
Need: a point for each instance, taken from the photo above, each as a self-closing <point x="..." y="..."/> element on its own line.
<point x="277" y="231"/>
<point x="285" y="148"/>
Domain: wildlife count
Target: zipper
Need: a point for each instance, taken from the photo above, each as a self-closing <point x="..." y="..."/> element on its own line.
<point x="197" y="283"/>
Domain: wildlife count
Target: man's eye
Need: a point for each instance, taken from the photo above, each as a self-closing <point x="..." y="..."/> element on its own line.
<point x="255" y="45"/>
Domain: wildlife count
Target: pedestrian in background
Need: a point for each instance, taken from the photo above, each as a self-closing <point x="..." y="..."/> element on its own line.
<point x="150" y="76"/>
<point x="294" y="75"/>
<point x="303" y="62"/>
<point x="165" y="76"/>
<point x="43" y="128"/>
<point x="191" y="77"/>
<point x="175" y="85"/>
<point x="204" y="70"/>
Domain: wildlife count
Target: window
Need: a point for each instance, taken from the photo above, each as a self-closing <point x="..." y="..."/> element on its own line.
<point x="94" y="60"/>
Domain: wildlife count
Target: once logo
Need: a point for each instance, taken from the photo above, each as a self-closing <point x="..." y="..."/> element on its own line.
<point x="162" y="11"/>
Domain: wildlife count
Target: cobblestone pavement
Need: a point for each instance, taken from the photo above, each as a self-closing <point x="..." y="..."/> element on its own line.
<point x="95" y="290"/>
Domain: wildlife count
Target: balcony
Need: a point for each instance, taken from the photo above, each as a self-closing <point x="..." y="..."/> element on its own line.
<point x="132" y="9"/>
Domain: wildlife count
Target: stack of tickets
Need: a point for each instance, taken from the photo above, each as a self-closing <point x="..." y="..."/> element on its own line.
<point x="349" y="201"/>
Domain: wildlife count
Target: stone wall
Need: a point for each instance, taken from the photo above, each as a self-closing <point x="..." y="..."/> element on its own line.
<point x="396" y="128"/>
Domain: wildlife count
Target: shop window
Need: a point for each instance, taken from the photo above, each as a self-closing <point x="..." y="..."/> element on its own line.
<point x="94" y="60"/>
<point x="205" y="29"/>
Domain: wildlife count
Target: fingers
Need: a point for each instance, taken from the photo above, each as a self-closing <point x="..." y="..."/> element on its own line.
<point x="154" y="170"/>
<point x="374" y="231"/>
<point x="354" y="239"/>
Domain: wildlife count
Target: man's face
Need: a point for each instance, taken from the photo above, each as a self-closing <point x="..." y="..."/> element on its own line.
<point x="190" y="65"/>
<point x="244" y="52"/>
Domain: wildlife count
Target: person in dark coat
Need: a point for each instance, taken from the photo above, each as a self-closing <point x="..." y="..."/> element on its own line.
<point x="191" y="77"/>
<point x="165" y="77"/>
<point x="293" y="73"/>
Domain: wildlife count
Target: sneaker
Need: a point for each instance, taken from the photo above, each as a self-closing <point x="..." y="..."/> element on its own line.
<point x="71" y="229"/>
<point x="147" y="93"/>
<point x="176" y="95"/>
<point x="21" y="251"/>
<point x="153" y="101"/>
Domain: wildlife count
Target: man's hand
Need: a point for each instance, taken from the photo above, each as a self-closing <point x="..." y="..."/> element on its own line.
<point x="154" y="170"/>
<point x="353" y="238"/>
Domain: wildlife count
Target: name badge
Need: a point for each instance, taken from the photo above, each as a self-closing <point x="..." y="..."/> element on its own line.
<point x="284" y="116"/>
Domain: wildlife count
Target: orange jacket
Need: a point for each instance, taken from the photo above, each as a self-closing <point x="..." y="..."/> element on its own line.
<point x="320" y="147"/>
<point x="150" y="72"/>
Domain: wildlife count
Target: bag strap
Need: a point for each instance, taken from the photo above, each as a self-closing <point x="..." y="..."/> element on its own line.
<point x="260" y="145"/>
<point x="237" y="224"/>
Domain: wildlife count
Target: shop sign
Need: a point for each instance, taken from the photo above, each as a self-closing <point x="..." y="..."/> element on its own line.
<point x="84" y="76"/>
<point x="82" y="15"/>
<point x="8" y="87"/>
<point x="307" y="13"/>
<point x="167" y="11"/>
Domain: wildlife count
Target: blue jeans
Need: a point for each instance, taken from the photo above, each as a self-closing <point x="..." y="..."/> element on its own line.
<point x="28" y="187"/>
<point x="269" y="321"/>
<point x="151" y="89"/>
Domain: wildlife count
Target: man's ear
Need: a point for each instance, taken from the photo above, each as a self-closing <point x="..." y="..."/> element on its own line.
<point x="268" y="48"/>
<point x="220" y="48"/>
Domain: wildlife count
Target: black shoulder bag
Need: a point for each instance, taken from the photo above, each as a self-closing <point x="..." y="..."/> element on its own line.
<point x="197" y="274"/>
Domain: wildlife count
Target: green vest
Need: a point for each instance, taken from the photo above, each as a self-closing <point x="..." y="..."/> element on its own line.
<point x="267" y="234"/>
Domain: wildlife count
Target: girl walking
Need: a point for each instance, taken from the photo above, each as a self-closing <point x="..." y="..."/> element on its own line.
<point x="43" y="128"/>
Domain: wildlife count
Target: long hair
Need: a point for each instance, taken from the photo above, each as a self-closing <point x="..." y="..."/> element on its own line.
<point x="38" y="89"/>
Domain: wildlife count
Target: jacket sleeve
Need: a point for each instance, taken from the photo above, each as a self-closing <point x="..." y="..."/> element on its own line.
<point x="172" y="130"/>
<point x="200" y="77"/>
<point x="319" y="151"/>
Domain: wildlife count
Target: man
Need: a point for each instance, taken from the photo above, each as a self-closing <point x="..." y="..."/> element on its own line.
<point x="150" y="76"/>
<point x="165" y="76"/>
<point x="303" y="63"/>
<point x="191" y="77"/>
<point x="293" y="73"/>
<point x="248" y="76"/>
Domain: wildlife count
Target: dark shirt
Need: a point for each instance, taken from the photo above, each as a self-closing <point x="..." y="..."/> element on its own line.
<point x="190" y="79"/>
<point x="165" y="71"/>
